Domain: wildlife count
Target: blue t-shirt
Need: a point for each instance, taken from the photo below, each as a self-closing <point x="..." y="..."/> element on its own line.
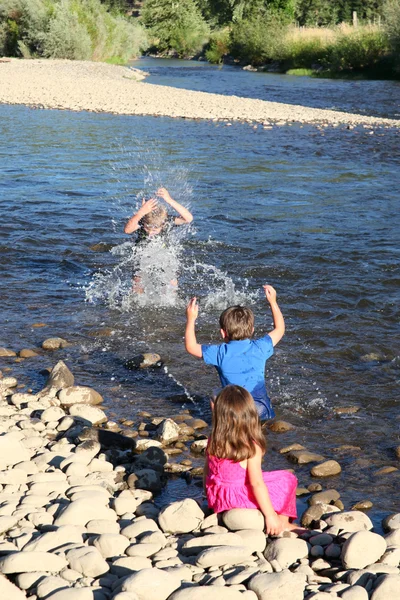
<point x="242" y="362"/>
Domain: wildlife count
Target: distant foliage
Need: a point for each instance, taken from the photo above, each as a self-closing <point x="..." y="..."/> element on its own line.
<point x="73" y="29"/>
<point x="175" y="26"/>
<point x="255" y="40"/>
<point x="391" y="15"/>
<point x="219" y="46"/>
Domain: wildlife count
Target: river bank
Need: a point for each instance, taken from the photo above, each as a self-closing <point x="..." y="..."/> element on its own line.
<point x="79" y="521"/>
<point x="97" y="87"/>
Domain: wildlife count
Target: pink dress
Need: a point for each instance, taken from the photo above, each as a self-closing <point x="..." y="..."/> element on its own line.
<point x="228" y="486"/>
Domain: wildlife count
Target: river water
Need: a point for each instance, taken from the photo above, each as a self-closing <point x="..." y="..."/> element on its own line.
<point x="312" y="211"/>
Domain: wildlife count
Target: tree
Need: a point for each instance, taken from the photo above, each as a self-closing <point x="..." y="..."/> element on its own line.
<point x="175" y="25"/>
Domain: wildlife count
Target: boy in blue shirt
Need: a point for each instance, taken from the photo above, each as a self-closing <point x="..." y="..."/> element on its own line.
<point x="240" y="360"/>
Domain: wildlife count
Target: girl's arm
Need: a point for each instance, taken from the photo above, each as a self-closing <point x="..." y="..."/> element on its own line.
<point x="273" y="524"/>
<point x="205" y="473"/>
<point x="133" y="223"/>
<point x="186" y="215"/>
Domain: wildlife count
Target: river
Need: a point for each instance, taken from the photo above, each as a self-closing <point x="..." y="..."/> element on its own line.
<point x="313" y="211"/>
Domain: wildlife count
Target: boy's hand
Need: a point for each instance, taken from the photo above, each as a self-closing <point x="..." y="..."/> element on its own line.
<point x="148" y="207"/>
<point x="192" y="310"/>
<point x="164" y="194"/>
<point x="270" y="293"/>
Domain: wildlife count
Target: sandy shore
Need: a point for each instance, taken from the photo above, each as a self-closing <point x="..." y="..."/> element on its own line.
<point x="99" y="87"/>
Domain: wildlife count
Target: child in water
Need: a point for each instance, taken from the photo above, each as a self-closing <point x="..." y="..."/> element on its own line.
<point x="232" y="476"/>
<point x="240" y="360"/>
<point x="152" y="220"/>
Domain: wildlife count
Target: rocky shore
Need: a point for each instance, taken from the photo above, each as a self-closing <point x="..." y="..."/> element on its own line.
<point x="78" y="519"/>
<point x="103" y="88"/>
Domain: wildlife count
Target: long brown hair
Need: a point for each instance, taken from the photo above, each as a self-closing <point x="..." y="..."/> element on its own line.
<point x="236" y="425"/>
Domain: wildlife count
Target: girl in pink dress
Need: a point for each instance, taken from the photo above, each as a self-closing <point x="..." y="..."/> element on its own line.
<point x="233" y="476"/>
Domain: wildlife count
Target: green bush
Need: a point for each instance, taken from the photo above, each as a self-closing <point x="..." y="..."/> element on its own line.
<point x="255" y="40"/>
<point x="302" y="51"/>
<point x="175" y="26"/>
<point x="358" y="50"/>
<point x="391" y="15"/>
<point x="73" y="29"/>
<point x="219" y="46"/>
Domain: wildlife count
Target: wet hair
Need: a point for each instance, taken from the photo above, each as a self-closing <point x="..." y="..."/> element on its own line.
<point x="237" y="322"/>
<point x="156" y="218"/>
<point x="236" y="427"/>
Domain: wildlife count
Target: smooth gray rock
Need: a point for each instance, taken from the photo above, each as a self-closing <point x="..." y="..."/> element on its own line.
<point x="254" y="539"/>
<point x="88" y="561"/>
<point x="151" y="584"/>
<point x="27" y="562"/>
<point x="138" y="527"/>
<point x="223" y="555"/>
<point x="12" y="451"/>
<point x="52" y="540"/>
<point x="181" y="517"/>
<point x="205" y="592"/>
<point x="243" y="518"/>
<point x="355" y="592"/>
<point x="91" y="414"/>
<point x="387" y="588"/>
<point x="82" y="511"/>
<point x="350" y="521"/>
<point x="124" y="566"/>
<point x="361" y="549"/>
<point x="9" y="591"/>
<point x="278" y="586"/>
<point x="197" y="544"/>
<point x="286" y="551"/>
<point x="111" y="544"/>
<point x="79" y="394"/>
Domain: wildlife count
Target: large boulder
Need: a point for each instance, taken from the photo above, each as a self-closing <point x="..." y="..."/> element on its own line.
<point x="361" y="549"/>
<point x="79" y="394"/>
<point x="278" y="586"/>
<point x="181" y="517"/>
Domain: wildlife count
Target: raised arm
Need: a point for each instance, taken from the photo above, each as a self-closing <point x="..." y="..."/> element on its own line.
<point x="191" y="344"/>
<point x="185" y="215"/>
<point x="133" y="223"/>
<point x="279" y="323"/>
<point x="273" y="525"/>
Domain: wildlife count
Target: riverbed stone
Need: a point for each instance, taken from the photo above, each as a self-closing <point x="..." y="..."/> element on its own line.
<point x="124" y="565"/>
<point x="111" y="544"/>
<point x="243" y="518"/>
<point x="51" y="540"/>
<point x="281" y="426"/>
<point x="13" y="477"/>
<point x="387" y="587"/>
<point x="54" y="413"/>
<point x="355" y="592"/>
<point x="393" y="538"/>
<point x="151" y="584"/>
<point x="183" y="516"/>
<point x="286" y="551"/>
<point x="326" y="469"/>
<point x="26" y="562"/>
<point x="278" y="586"/>
<point x="391" y="522"/>
<point x="54" y="343"/>
<point x="79" y="394"/>
<point x="197" y="544"/>
<point x="350" y="521"/>
<point x="254" y="539"/>
<point x="80" y="512"/>
<point x="50" y="584"/>
<point x="361" y="549"/>
<point x="223" y="555"/>
<point x="91" y="414"/>
<point x="9" y="591"/>
<point x="149" y="479"/>
<point x="204" y="592"/>
<point x="325" y="497"/>
<point x="27" y="353"/>
<point x="144" y="361"/>
<point x="168" y="431"/>
<point x="303" y="457"/>
<point x="6" y="352"/>
<point x="139" y="527"/>
<point x="12" y="450"/>
<point x="87" y="560"/>
<point x="75" y="593"/>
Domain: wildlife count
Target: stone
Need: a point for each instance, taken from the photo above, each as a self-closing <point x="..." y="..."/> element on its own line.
<point x="149" y="479"/>
<point x="8" y="591"/>
<point x="151" y="584"/>
<point x="303" y="457"/>
<point x="6" y="352"/>
<point x="362" y="505"/>
<point x="286" y="551"/>
<point x="12" y="451"/>
<point x="325" y="497"/>
<point x="139" y="527"/>
<point x="27" y="562"/>
<point x="223" y="555"/>
<point x="326" y="469"/>
<point x="79" y="394"/>
<point x="355" y="592"/>
<point x="350" y="521"/>
<point x="146" y="443"/>
<point x="361" y="549"/>
<point x="80" y="512"/>
<point x="91" y="414"/>
<point x="181" y="517"/>
<point x="111" y="544"/>
<point x="168" y="432"/>
<point x="54" y="413"/>
<point x="199" y="446"/>
<point x="107" y="439"/>
<point x="27" y="353"/>
<point x="152" y="458"/>
<point x="84" y="593"/>
<point x="393" y="538"/>
<point x="254" y="539"/>
<point x="144" y="361"/>
<point x="208" y="592"/>
<point x="281" y="426"/>
<point x="387" y="587"/>
<point x="278" y="586"/>
<point x="197" y="544"/>
<point x="100" y="526"/>
<point x="88" y="561"/>
<point x="50" y="584"/>
<point x="243" y="518"/>
<point x="54" y="343"/>
<point x="51" y="540"/>
<point x="124" y="565"/>
<point x="391" y="522"/>
<point x="291" y="447"/>
<point x="13" y="477"/>
<point x="386" y="470"/>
